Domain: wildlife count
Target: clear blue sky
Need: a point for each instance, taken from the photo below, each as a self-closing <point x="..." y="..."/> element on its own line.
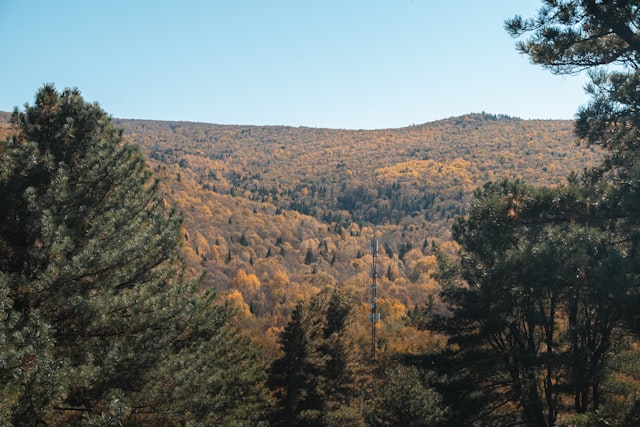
<point x="356" y="64"/>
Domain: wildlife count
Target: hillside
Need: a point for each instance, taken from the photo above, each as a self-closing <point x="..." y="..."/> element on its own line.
<point x="322" y="172"/>
<point x="272" y="214"/>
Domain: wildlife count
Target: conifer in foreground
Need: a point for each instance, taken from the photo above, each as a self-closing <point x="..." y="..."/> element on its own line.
<point x="99" y="326"/>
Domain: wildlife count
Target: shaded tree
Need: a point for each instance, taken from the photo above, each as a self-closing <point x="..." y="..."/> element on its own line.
<point x="405" y="399"/>
<point x="315" y="379"/>
<point x="540" y="287"/>
<point x="601" y="37"/>
<point x="98" y="316"/>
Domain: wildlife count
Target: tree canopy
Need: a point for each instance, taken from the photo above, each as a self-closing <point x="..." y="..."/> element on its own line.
<point x="99" y="324"/>
<point x="573" y="35"/>
<point x="548" y="276"/>
<point x="316" y="378"/>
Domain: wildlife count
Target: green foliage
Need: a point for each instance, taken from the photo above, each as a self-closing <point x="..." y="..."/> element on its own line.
<point x="569" y="36"/>
<point x="547" y="276"/>
<point x="546" y="283"/>
<point x="29" y="375"/>
<point x="315" y="379"/>
<point x="405" y="398"/>
<point x="98" y="319"/>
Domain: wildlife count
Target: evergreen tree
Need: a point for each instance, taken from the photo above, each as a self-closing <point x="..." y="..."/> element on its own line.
<point x="315" y="380"/>
<point x="603" y="38"/>
<point x="544" y="287"/>
<point x="99" y="322"/>
<point x="293" y="375"/>
<point x="575" y="35"/>
<point x="551" y="273"/>
<point x="405" y="400"/>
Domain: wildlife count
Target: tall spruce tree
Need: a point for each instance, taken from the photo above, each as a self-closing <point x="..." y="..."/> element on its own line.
<point x="315" y="379"/>
<point x="99" y="324"/>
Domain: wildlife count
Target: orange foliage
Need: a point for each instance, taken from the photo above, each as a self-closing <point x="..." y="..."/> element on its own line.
<point x="273" y="214"/>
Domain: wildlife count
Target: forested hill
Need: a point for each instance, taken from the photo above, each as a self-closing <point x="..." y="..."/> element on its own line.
<point x="274" y="213"/>
<point x="378" y="176"/>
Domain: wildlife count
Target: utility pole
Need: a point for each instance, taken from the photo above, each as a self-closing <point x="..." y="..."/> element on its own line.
<point x="374" y="316"/>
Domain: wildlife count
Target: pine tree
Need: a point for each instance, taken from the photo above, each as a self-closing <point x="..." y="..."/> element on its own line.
<point x="544" y="284"/>
<point x="90" y="258"/>
<point x="293" y="375"/>
<point x="601" y="37"/>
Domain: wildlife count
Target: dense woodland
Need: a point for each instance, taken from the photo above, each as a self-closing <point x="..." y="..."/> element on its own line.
<point x="274" y="214"/>
<point x="171" y="273"/>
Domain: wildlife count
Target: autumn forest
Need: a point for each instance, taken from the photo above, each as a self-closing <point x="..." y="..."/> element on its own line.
<point x="274" y="214"/>
<point x="479" y="270"/>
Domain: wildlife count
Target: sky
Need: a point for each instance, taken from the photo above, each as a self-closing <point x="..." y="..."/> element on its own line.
<point x="350" y="64"/>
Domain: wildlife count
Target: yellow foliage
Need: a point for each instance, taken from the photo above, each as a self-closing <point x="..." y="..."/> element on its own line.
<point x="429" y="170"/>
<point x="201" y="243"/>
<point x="425" y="266"/>
<point x="242" y="192"/>
<point x="392" y="313"/>
<point x="280" y="279"/>
<point x="236" y="300"/>
<point x="411" y="340"/>
<point x="248" y="282"/>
